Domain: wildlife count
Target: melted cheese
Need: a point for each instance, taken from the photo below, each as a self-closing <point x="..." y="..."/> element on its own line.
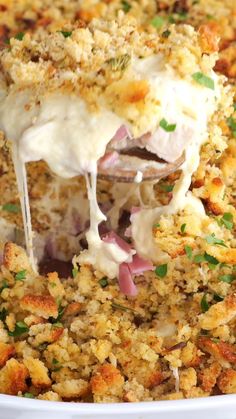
<point x="62" y="131"/>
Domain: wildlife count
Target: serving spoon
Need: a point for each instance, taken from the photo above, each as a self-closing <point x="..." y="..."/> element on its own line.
<point x="154" y="169"/>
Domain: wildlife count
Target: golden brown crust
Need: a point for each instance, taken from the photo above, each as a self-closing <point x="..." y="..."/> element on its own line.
<point x="38" y="373"/>
<point x="6" y="352"/>
<point x="221" y="351"/>
<point x="105" y="379"/>
<point x="208" y="376"/>
<point x="15" y="259"/>
<point x="41" y="305"/>
<point x="13" y="377"/>
<point x="227" y="381"/>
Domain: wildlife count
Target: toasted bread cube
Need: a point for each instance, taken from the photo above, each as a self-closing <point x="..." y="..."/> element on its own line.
<point x="42" y="305"/>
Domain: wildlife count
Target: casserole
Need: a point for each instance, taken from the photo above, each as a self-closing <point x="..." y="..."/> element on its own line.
<point x="179" y="348"/>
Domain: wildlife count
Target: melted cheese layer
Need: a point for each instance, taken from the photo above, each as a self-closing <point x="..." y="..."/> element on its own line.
<point x="62" y="131"/>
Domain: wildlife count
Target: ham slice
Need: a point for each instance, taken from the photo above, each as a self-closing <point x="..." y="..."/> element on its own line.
<point x="139" y="265"/>
<point x="108" y="160"/>
<point x="126" y="283"/>
<point x="127" y="270"/>
<point x="121" y="134"/>
<point x="113" y="238"/>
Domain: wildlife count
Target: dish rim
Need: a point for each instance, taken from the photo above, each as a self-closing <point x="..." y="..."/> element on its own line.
<point x="116" y="409"/>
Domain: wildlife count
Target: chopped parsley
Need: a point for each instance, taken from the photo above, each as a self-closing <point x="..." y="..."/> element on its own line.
<point x="227" y="278"/>
<point x="157" y="225"/>
<point x="75" y="272"/>
<point x="212" y="239"/>
<point x="182" y="15"/>
<point x="57" y="365"/>
<point x="28" y="395"/>
<point x="204" y="80"/>
<point x="121" y="307"/>
<point x="183" y="228"/>
<point x="103" y="282"/>
<point x="20" y="276"/>
<point x="167" y="188"/>
<point x="125" y="6"/>
<point x="188" y="251"/>
<point x="157" y="22"/>
<point x="166" y="33"/>
<point x="227" y="220"/>
<point x="4" y="285"/>
<point x="161" y="270"/>
<point x="204" y="304"/>
<point x="56" y="321"/>
<point x="3" y="314"/>
<point x="211" y="259"/>
<point x="199" y="259"/>
<point x="167" y="127"/>
<point x="232" y="125"/>
<point x="19" y="36"/>
<point x="66" y="34"/>
<point x="11" y="208"/>
<point x="218" y="298"/>
<point x="206" y="258"/>
<point x="171" y="19"/>
<point x="120" y="63"/>
<point x="20" y="329"/>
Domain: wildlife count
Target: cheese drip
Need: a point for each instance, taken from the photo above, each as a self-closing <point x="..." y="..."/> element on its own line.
<point x="62" y="131"/>
<point x="21" y="179"/>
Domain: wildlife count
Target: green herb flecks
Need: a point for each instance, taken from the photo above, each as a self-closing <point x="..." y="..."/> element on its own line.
<point x="19" y="36"/>
<point x="166" y="34"/>
<point x="212" y="239"/>
<point x="28" y="395"/>
<point x="12" y="208"/>
<point x="121" y="307"/>
<point x="166" y="126"/>
<point x="75" y="272"/>
<point x="103" y="282"/>
<point x="211" y="259"/>
<point x="188" y="251"/>
<point x="218" y="298"/>
<point x="183" y="228"/>
<point x="206" y="258"/>
<point x="59" y="317"/>
<point x="66" y="34"/>
<point x="4" y="285"/>
<point x="227" y="278"/>
<point x="20" y="276"/>
<point x="161" y="270"/>
<point x="232" y="125"/>
<point x="20" y="329"/>
<point x="204" y="80"/>
<point x="120" y="63"/>
<point x="226" y="220"/>
<point x="125" y="6"/>
<point x="157" y="22"/>
<point x="166" y="188"/>
<point x="3" y="314"/>
<point x="204" y="303"/>
<point x="57" y="366"/>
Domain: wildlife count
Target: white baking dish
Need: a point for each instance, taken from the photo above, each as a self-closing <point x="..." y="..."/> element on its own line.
<point x="219" y="407"/>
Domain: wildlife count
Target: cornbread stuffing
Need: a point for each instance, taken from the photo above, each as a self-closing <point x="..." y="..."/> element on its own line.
<point x="74" y="336"/>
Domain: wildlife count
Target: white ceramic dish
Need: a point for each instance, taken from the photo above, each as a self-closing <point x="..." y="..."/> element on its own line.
<point x="219" y="407"/>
